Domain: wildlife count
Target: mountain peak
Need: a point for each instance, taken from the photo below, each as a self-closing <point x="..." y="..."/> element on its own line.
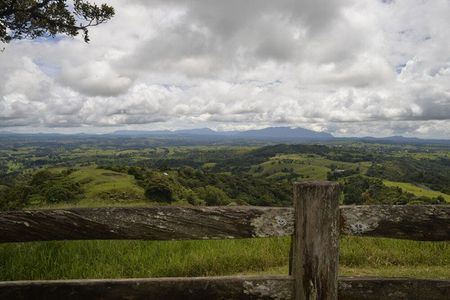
<point x="268" y="133"/>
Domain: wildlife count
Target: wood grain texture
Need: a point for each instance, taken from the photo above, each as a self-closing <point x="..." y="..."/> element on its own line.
<point x="155" y="223"/>
<point x="393" y="288"/>
<point x="413" y="222"/>
<point x="200" y="288"/>
<point x="233" y="287"/>
<point x="421" y="222"/>
<point x="316" y="240"/>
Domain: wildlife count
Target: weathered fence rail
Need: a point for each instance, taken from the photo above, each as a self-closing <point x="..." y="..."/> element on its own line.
<point x="424" y="222"/>
<point x="233" y="287"/>
<point x="315" y="223"/>
<point x="155" y="223"/>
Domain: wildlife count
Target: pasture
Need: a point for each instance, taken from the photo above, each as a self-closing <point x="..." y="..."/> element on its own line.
<point x="124" y="259"/>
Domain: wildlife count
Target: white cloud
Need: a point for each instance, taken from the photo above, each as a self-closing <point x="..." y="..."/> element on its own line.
<point x="95" y="78"/>
<point x="350" y="67"/>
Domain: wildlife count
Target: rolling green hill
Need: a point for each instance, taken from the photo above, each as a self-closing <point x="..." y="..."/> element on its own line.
<point x="118" y="172"/>
<point x="305" y="166"/>
<point x="416" y="190"/>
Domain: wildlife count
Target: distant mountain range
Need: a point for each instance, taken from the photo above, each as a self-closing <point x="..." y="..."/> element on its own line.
<point x="269" y="134"/>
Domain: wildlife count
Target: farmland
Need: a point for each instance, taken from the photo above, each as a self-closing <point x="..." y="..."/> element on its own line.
<point x="146" y="172"/>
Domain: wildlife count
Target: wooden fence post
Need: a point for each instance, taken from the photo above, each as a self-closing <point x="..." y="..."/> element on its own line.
<point x="316" y="240"/>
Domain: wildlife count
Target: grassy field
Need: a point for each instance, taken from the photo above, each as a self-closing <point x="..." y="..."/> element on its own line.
<point x="308" y="165"/>
<point x="101" y="185"/>
<point x="102" y="188"/>
<point x="121" y="259"/>
<point x="416" y="190"/>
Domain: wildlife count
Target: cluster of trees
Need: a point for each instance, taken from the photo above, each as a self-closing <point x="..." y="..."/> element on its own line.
<point x="242" y="162"/>
<point x="434" y="173"/>
<point x="360" y="189"/>
<point x="199" y="187"/>
<point x="209" y="176"/>
<point x="44" y="187"/>
<point x="350" y="154"/>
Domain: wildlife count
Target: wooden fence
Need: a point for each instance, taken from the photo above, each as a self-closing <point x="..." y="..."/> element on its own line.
<point x="315" y="223"/>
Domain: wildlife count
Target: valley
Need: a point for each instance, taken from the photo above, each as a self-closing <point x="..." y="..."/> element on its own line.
<point x="147" y="171"/>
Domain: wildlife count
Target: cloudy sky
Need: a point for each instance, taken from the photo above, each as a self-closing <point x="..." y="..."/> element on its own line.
<point x="349" y="67"/>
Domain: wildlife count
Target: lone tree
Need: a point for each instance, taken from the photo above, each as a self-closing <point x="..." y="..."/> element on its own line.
<point x="21" y="19"/>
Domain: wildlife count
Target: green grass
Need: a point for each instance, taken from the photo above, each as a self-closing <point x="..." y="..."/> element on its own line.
<point x="123" y="259"/>
<point x="208" y="165"/>
<point x="100" y="186"/>
<point x="308" y="165"/>
<point x="13" y="166"/>
<point x="103" y="188"/>
<point x="120" y="259"/>
<point x="416" y="190"/>
<point x="422" y="155"/>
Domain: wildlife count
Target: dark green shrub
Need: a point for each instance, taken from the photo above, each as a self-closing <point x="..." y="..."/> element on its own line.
<point x="159" y="191"/>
